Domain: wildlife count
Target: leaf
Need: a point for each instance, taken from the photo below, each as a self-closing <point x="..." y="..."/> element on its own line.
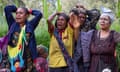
<point x="45" y="9"/>
<point x="59" y="6"/>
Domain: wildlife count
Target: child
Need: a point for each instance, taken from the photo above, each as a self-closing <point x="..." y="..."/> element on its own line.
<point x="41" y="61"/>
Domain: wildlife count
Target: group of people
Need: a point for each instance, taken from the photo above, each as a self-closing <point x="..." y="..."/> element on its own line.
<point x="75" y="46"/>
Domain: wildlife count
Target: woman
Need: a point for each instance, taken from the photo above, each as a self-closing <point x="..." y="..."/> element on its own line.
<point x="61" y="44"/>
<point x="22" y="29"/>
<point x="88" y="18"/>
<point x="99" y="45"/>
<point x="103" y="45"/>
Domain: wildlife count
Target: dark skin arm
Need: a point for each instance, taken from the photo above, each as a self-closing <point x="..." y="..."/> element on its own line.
<point x="50" y="20"/>
<point x="74" y="20"/>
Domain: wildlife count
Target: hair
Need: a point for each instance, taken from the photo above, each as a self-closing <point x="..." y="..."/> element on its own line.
<point x="78" y="5"/>
<point x="93" y="13"/>
<point x="17" y="60"/>
<point x="83" y="11"/>
<point x="26" y="10"/>
<point x="110" y="20"/>
<point x="65" y="16"/>
<point x="42" y="47"/>
<point x="75" y="11"/>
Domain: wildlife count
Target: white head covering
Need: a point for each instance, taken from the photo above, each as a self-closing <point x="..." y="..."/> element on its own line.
<point x="108" y="12"/>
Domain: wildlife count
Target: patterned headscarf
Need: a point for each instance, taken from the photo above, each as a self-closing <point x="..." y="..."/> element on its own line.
<point x="108" y="12"/>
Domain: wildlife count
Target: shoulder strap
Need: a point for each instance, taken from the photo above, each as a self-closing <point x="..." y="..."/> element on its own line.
<point x="67" y="57"/>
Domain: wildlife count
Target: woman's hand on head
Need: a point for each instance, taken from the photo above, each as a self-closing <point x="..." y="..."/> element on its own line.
<point x="58" y="13"/>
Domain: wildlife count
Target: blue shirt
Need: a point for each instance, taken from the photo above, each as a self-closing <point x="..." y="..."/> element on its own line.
<point x="30" y="27"/>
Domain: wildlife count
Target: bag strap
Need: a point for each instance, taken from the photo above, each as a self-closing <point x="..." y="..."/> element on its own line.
<point x="67" y="57"/>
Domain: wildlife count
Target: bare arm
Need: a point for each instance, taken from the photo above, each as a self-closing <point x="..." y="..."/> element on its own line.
<point x="49" y="22"/>
<point x="76" y="33"/>
<point x="74" y="20"/>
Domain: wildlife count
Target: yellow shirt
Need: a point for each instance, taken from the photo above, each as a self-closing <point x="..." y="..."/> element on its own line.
<point x="56" y="58"/>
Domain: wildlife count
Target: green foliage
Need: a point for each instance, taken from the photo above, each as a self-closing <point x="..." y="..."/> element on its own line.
<point x="59" y="6"/>
<point x="42" y="35"/>
<point x="118" y="9"/>
<point x="45" y="9"/>
<point x="3" y="26"/>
